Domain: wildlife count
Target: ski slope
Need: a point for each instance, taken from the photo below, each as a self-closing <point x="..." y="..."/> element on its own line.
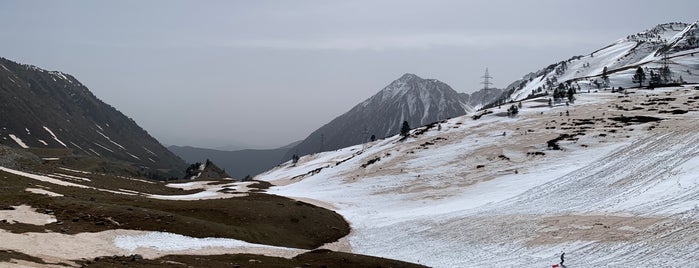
<point x="467" y="196"/>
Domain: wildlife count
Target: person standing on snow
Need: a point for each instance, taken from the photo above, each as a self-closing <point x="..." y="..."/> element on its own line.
<point x="562" y="260"/>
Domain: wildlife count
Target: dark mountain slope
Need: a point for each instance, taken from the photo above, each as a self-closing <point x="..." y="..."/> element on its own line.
<point x="52" y="110"/>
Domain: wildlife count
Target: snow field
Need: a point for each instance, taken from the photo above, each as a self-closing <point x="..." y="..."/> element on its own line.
<point x="616" y="200"/>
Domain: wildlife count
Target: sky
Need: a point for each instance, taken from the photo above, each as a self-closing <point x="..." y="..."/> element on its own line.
<point x="262" y="74"/>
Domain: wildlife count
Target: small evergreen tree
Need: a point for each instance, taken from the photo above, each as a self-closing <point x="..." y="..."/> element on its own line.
<point x="605" y="76"/>
<point x="655" y="79"/>
<point x="513" y="110"/>
<point x="665" y="74"/>
<point x="571" y="95"/>
<point x="373" y="138"/>
<point x="639" y="77"/>
<point x="405" y="129"/>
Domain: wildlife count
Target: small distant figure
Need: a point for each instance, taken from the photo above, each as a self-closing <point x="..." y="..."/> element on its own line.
<point x="504" y="134"/>
<point x="562" y="259"/>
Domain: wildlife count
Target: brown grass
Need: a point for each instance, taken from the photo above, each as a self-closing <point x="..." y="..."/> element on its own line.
<point x="256" y="218"/>
<point x="318" y="258"/>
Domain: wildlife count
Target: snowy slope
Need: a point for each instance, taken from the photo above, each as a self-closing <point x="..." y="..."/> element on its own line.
<point x="464" y="195"/>
<point x="645" y="49"/>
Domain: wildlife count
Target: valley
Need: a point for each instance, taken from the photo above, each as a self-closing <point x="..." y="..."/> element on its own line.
<point x="594" y="157"/>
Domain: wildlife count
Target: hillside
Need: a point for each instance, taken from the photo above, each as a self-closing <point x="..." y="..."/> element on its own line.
<point x="610" y="181"/>
<point x="56" y="216"/>
<point x="409" y="98"/>
<point x="49" y="112"/>
<point x="676" y="44"/>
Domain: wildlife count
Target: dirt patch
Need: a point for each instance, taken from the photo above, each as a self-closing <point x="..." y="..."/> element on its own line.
<point x="638" y="119"/>
<point x="603" y="228"/>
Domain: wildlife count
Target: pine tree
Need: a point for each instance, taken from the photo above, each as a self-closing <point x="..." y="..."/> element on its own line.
<point x="405" y="129"/>
<point x="605" y="76"/>
<point x="513" y="110"/>
<point x="655" y="79"/>
<point x="639" y="77"/>
<point x="571" y="95"/>
<point x="665" y="74"/>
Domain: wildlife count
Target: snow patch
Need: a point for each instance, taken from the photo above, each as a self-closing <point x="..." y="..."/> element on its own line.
<point x="94" y="152"/>
<point x="110" y="140"/>
<point x="27" y="215"/>
<point x="75" y="170"/>
<point x="55" y="137"/>
<point x="174" y="242"/>
<point x="42" y="191"/>
<point x="149" y="151"/>
<point x="18" y="141"/>
<point x="66" y="176"/>
<point x="103" y="147"/>
<point x="136" y="157"/>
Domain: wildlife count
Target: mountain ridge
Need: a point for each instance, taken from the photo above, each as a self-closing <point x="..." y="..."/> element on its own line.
<point x="52" y="110"/>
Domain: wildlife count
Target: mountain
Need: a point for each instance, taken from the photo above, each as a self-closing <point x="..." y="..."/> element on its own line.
<point x="673" y="44"/>
<point x="42" y="110"/>
<point x="410" y="98"/>
<point x="239" y="163"/>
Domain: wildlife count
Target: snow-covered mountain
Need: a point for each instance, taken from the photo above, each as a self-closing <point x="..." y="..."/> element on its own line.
<point x="45" y="110"/>
<point x="677" y="43"/>
<point x="409" y="98"/>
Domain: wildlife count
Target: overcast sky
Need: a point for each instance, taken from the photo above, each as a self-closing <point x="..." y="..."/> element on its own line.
<point x="266" y="73"/>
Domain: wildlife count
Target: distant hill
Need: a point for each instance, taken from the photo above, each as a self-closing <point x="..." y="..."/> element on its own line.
<point x="46" y="110"/>
<point x="482" y="97"/>
<point x="236" y="163"/>
<point x="409" y="98"/>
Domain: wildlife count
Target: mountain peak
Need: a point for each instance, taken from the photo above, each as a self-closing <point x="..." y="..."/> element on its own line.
<point x="408" y="77"/>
